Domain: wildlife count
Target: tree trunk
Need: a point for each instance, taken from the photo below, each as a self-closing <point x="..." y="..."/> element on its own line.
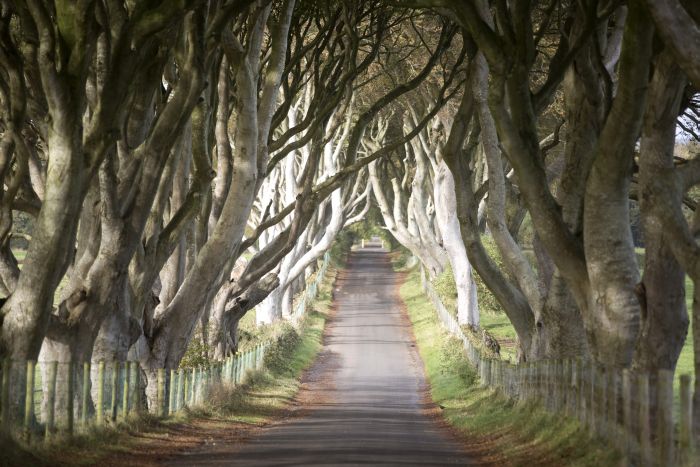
<point x="446" y="210"/>
<point x="612" y="303"/>
<point x="664" y="323"/>
<point x="25" y="314"/>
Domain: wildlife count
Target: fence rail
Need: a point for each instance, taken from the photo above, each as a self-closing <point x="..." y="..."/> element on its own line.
<point x="70" y="397"/>
<point x="632" y="411"/>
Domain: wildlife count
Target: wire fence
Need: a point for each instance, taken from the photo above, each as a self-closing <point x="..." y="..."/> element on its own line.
<point x="66" y="398"/>
<point x="631" y="411"/>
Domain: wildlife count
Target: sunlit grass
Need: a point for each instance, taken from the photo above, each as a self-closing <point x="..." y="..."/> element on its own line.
<point x="501" y="430"/>
<point x="502" y="330"/>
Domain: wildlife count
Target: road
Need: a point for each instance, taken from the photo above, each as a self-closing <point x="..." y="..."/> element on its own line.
<point x="372" y="411"/>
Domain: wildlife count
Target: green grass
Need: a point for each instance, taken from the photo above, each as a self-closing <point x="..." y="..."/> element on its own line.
<point x="497" y="429"/>
<point x="268" y="391"/>
<point x="263" y="395"/>
<point x="19" y="254"/>
<point x="500" y="328"/>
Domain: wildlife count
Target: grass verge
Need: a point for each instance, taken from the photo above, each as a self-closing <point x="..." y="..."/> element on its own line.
<point x="230" y="413"/>
<point x="496" y="429"/>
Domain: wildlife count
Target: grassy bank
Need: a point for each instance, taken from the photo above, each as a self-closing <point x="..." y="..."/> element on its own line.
<point x="496" y="429"/>
<point x="263" y="396"/>
<point x="495" y="321"/>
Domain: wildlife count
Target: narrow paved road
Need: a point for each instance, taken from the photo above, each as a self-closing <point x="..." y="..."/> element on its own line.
<point x="373" y="412"/>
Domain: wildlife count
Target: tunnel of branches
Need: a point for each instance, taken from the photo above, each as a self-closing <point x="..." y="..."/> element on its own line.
<point x="169" y="167"/>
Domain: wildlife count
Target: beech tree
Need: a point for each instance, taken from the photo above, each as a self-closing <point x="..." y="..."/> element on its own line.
<point x="589" y="296"/>
<point x="183" y="163"/>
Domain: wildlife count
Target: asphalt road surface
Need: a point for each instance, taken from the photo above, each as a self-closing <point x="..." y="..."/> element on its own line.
<point x="371" y="411"/>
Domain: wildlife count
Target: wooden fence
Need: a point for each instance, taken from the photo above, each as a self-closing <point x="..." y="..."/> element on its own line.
<point x="66" y="398"/>
<point x="311" y="291"/>
<point x="631" y="411"/>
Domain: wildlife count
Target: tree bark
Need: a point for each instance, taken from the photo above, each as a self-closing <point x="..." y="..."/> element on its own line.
<point x="664" y="318"/>
<point x="446" y="210"/>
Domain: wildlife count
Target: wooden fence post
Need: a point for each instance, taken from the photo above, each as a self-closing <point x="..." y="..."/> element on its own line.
<point x="547" y="394"/>
<point x="125" y="390"/>
<point x="115" y="391"/>
<point x="559" y="380"/>
<point x="134" y="389"/>
<point x="644" y="422"/>
<point x="524" y="372"/>
<point x="193" y="383"/>
<point x="486" y="365"/>
<point x="160" y="411"/>
<point x="509" y="379"/>
<point x="173" y="391"/>
<point x="664" y="415"/>
<point x="100" y="407"/>
<point x="136" y="381"/>
<point x="180" y="388"/>
<point x="501" y="375"/>
<point x="86" y="395"/>
<point x="29" y="401"/>
<point x="198" y="385"/>
<point x="70" y="389"/>
<point x="553" y="389"/>
<point x="5" y="397"/>
<point x="115" y="388"/>
<point x="612" y="386"/>
<point x="628" y="430"/>
<point x="581" y="390"/>
<point x="494" y="373"/>
<point x="554" y="385"/>
<point x="590" y="396"/>
<point x="685" y="431"/>
<point x="566" y="387"/>
<point x="186" y="389"/>
<point x="481" y="370"/>
<point x="51" y="399"/>
<point x="600" y="403"/>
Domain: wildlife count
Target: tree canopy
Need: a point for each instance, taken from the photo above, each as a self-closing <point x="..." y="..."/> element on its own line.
<point x="171" y="166"/>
